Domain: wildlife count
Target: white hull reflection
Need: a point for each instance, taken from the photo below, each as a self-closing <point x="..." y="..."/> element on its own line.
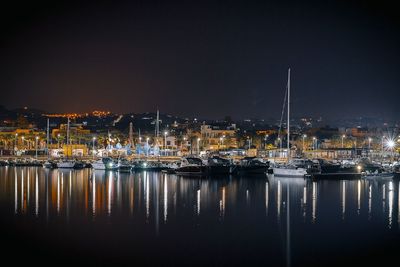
<point x="288" y="172"/>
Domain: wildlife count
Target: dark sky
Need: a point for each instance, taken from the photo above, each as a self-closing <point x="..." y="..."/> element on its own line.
<point x="199" y="58"/>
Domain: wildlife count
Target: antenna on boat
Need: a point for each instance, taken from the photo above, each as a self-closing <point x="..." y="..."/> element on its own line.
<point x="288" y="116"/>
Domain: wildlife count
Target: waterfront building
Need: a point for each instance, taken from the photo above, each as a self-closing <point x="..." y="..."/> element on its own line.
<point x="218" y="137"/>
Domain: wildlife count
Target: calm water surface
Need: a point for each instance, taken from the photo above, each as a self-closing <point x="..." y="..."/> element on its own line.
<point x="64" y="217"/>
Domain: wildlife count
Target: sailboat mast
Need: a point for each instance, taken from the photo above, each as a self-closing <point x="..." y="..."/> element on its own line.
<point x="158" y="124"/>
<point x="47" y="137"/>
<point x="288" y="116"/>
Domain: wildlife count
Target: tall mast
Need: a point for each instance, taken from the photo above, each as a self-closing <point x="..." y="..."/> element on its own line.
<point x="158" y="124"/>
<point x="47" y="137"/>
<point x="288" y="117"/>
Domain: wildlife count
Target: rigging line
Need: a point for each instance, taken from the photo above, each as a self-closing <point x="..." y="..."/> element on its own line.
<point x="283" y="111"/>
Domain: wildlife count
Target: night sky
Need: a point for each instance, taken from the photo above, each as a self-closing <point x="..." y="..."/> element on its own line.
<point x="206" y="59"/>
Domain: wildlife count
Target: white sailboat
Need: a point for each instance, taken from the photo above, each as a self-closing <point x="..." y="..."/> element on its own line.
<point x="291" y="169"/>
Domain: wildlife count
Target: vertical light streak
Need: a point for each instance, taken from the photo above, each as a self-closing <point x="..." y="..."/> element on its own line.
<point x="358" y="196"/>
<point x="314" y="202"/>
<point x="58" y="193"/>
<point x="278" y="202"/>
<point x="390" y="212"/>
<point x="110" y="180"/>
<point x="198" y="202"/>
<point x="147" y="192"/>
<point x="94" y="194"/>
<point x="343" y="199"/>
<point x="15" y="192"/>
<point x="266" y="198"/>
<point x="37" y="194"/>
<point x="22" y="191"/>
<point x="369" y="202"/>
<point x="165" y="199"/>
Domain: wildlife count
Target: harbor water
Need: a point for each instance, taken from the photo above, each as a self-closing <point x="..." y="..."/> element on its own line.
<point x="67" y="217"/>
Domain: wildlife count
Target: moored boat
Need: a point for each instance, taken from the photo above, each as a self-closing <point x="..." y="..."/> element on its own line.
<point x="191" y="166"/>
<point x="105" y="163"/>
<point x="251" y="166"/>
<point x="49" y="164"/>
<point x="217" y="165"/>
<point x="124" y="165"/>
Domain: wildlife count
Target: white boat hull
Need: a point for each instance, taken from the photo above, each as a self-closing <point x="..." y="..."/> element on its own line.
<point x="68" y="165"/>
<point x="102" y="166"/>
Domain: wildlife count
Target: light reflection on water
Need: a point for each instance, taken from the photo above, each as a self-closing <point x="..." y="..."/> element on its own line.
<point x="255" y="206"/>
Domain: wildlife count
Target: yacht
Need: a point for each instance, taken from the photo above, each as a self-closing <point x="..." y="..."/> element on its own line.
<point x="191" y="166"/>
<point x="297" y="168"/>
<point x="49" y="164"/>
<point x="251" y="166"/>
<point x="124" y="165"/>
<point x="66" y="164"/>
<point x="105" y="163"/>
<point x="155" y="166"/>
<point x="218" y="165"/>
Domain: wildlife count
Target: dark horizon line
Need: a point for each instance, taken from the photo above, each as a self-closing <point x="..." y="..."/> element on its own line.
<point x="200" y="118"/>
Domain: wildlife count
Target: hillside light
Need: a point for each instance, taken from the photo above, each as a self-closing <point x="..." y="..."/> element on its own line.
<point x="343" y="136"/>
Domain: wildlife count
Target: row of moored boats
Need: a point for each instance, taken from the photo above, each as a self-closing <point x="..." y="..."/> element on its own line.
<point x="216" y="165"/>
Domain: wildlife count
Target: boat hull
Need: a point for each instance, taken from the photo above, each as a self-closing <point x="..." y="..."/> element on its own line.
<point x="300" y="172"/>
<point x="254" y="170"/>
<point x="191" y="171"/>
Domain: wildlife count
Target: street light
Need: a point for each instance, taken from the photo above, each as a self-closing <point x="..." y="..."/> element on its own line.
<point x="314" y="141"/>
<point x="390" y="144"/>
<point x="343" y="136"/>
<point x="36" y="143"/>
<point x="93" y="139"/>
<point x="265" y="141"/>
<point x="58" y="140"/>
<point x="183" y="143"/>
<point x="198" y="145"/>
<point x="304" y="137"/>
<point x="383" y="138"/>
<point x="165" y="143"/>
<point x="16" y="143"/>
<point x="369" y="144"/>
<point x="23" y="138"/>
